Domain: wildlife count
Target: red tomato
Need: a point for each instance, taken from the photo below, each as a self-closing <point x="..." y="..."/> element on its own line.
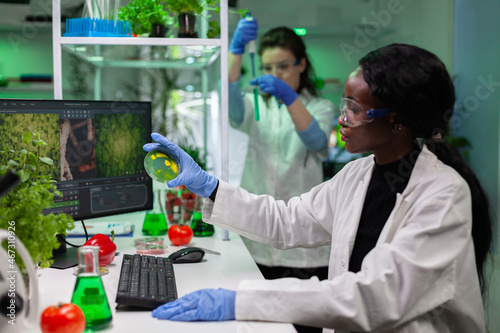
<point x="62" y="318"/>
<point x="180" y="234"/>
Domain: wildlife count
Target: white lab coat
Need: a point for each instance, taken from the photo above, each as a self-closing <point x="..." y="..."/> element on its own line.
<point x="420" y="277"/>
<point x="279" y="164"/>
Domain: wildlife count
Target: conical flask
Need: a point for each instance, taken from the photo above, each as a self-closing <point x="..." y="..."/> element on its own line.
<point x="200" y="228"/>
<point x="155" y="223"/>
<point x="89" y="292"/>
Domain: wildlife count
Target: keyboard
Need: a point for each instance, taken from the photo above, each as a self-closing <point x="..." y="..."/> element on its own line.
<point x="146" y="281"/>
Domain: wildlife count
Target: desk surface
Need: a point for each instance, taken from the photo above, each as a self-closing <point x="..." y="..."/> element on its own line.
<point x="224" y="271"/>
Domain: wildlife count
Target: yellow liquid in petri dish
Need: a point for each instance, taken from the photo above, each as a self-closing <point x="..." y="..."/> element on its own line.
<point x="160" y="166"/>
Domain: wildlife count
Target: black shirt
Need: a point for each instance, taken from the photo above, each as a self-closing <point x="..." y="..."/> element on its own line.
<point x="386" y="181"/>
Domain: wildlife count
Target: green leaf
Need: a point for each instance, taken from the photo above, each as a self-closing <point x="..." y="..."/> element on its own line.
<point x="46" y="160"/>
<point x="12" y="164"/>
<point x="32" y="159"/>
<point x="244" y="12"/>
<point x="23" y="175"/>
<point x="27" y="137"/>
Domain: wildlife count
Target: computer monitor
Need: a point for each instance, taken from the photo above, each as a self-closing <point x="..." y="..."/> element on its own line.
<point x="97" y="151"/>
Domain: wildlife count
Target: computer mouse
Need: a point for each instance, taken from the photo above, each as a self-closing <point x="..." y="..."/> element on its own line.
<point x="187" y="255"/>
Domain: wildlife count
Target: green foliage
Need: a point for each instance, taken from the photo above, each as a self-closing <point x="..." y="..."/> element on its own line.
<point x="196" y="7"/>
<point x="25" y="203"/>
<point x="195" y="153"/>
<point x="13" y="127"/>
<point x="187" y="6"/>
<point x="143" y="13"/>
<point x="78" y="77"/>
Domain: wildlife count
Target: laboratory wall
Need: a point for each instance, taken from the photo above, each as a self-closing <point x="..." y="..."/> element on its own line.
<point x="476" y="51"/>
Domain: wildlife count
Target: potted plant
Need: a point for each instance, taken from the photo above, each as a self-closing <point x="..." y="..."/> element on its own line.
<point x="187" y="10"/>
<point x="146" y="17"/>
<point x="21" y="208"/>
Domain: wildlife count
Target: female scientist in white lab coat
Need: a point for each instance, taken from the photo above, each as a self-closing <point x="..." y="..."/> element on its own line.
<point x="409" y="225"/>
<point x="287" y="144"/>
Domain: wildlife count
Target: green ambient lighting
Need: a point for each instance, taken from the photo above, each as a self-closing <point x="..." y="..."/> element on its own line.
<point x="300" y="31"/>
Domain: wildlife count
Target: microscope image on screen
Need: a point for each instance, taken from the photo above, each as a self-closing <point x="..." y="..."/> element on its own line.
<point x="77" y="149"/>
<point x="119" y="144"/>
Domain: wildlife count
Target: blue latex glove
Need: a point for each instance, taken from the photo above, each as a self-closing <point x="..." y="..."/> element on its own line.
<point x="246" y="31"/>
<point x="204" y="304"/>
<point x="191" y="175"/>
<point x="276" y="87"/>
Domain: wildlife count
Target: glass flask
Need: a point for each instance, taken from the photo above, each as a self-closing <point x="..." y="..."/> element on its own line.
<point x="89" y="292"/>
<point x="155" y="223"/>
<point x="200" y="228"/>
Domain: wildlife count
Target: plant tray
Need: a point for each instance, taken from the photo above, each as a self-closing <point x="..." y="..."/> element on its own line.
<point x="91" y="27"/>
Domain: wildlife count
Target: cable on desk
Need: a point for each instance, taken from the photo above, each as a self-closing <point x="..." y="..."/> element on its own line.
<point x="62" y="239"/>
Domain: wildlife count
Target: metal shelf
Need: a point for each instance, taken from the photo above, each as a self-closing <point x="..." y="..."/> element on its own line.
<point x="139" y="41"/>
<point x="137" y="56"/>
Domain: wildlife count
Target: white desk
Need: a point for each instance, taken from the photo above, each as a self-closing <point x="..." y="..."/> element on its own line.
<point x="224" y="271"/>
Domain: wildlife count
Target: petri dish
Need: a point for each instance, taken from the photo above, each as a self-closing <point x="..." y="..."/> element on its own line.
<point x="160" y="166"/>
<point x="149" y="240"/>
<point x="150" y="249"/>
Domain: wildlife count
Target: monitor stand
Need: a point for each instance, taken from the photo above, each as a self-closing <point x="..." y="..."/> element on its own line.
<point x="67" y="259"/>
<point x="64" y="257"/>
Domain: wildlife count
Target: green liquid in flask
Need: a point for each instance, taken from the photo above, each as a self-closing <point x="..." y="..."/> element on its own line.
<point x="200" y="228"/>
<point x="155" y="224"/>
<point x="89" y="293"/>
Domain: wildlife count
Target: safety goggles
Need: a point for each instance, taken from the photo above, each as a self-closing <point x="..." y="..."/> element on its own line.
<point x="353" y="114"/>
<point x="281" y="67"/>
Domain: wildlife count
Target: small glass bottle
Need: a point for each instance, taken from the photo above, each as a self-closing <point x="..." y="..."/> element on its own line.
<point x="155" y="223"/>
<point x="200" y="228"/>
<point x="89" y="292"/>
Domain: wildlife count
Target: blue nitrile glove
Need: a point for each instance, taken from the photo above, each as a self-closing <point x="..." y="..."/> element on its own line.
<point x="276" y="87"/>
<point x="246" y="31"/>
<point x="203" y="304"/>
<point x="196" y="180"/>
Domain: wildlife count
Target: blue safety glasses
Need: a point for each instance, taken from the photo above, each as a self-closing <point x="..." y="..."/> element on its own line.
<point x="353" y="114"/>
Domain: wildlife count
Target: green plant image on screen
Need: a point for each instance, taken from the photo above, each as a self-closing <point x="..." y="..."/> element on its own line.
<point x="12" y="127"/>
<point x="118" y="144"/>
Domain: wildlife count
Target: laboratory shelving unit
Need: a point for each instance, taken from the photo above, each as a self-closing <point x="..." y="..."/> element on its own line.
<point x="211" y="49"/>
